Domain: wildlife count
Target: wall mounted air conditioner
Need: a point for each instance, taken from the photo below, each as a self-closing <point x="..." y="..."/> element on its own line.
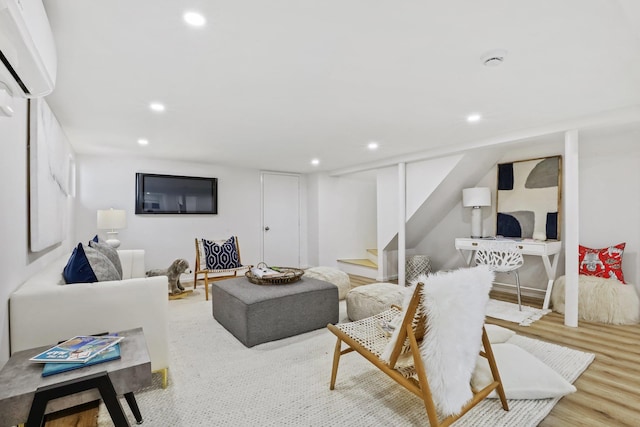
<point x="28" y="59"/>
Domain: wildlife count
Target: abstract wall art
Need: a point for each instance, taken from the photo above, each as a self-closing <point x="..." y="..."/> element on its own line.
<point x="529" y="193"/>
<point x="51" y="177"/>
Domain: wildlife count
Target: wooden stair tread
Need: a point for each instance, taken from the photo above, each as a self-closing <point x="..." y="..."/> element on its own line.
<point x="361" y="262"/>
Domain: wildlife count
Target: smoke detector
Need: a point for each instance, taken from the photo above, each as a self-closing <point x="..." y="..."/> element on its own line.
<point x="493" y="58"/>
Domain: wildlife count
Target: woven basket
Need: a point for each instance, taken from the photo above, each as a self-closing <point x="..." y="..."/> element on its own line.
<point x="415" y="266"/>
<point x="289" y="275"/>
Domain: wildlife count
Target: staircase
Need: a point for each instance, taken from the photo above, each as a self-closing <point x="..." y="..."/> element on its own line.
<point x="365" y="267"/>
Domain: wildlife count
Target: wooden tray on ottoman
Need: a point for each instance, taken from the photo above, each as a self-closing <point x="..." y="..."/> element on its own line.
<point x="289" y="275"/>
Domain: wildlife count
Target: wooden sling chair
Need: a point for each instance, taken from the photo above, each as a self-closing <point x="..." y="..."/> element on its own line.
<point x="212" y="275"/>
<point x="365" y="337"/>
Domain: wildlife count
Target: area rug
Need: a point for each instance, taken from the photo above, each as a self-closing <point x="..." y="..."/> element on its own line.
<point x="214" y="380"/>
<point x="509" y="312"/>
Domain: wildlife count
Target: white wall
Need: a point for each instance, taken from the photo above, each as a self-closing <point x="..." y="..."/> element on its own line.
<point x="341" y="223"/>
<point x="424" y="177"/>
<point x="105" y="182"/>
<point x="17" y="263"/>
<point x="313" y="219"/>
<point x="438" y="244"/>
<point x="609" y="169"/>
<point x="345" y="221"/>
<point x="609" y="173"/>
<point x="387" y="206"/>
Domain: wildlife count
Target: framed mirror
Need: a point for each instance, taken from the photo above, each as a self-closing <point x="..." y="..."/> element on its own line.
<point x="528" y="198"/>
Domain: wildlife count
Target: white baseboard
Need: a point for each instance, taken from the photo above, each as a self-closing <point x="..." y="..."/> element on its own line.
<point x="525" y="291"/>
<point x="187" y="278"/>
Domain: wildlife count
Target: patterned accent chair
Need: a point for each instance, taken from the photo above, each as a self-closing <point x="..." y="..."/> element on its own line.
<point x="217" y="260"/>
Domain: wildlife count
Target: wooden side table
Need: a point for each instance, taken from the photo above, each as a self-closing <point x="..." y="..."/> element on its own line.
<point x="26" y="395"/>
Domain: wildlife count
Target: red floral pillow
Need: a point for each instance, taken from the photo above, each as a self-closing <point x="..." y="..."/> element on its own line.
<point x="605" y="262"/>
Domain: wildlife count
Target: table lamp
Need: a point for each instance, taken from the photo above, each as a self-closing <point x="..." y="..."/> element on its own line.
<point x="112" y="220"/>
<point x="475" y="198"/>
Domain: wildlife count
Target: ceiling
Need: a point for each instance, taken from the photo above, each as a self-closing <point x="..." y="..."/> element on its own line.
<point x="273" y="84"/>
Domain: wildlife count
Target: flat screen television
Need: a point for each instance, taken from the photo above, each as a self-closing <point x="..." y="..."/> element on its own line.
<point x="173" y="194"/>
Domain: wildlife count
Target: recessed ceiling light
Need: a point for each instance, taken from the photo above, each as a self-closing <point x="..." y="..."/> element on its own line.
<point x="473" y="117"/>
<point x="143" y="141"/>
<point x="315" y="162"/>
<point x="194" y="19"/>
<point x="373" y="145"/>
<point x="157" y="107"/>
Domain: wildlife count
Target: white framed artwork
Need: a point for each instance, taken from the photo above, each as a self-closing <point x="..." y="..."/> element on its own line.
<point x="529" y="198"/>
<point x="51" y="179"/>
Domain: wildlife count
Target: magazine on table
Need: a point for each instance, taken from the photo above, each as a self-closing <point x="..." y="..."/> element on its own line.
<point x="78" y="349"/>
<point x="266" y="272"/>
<point x="112" y="353"/>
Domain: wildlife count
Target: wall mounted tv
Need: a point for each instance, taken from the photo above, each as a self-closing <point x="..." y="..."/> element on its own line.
<point x="172" y="194"/>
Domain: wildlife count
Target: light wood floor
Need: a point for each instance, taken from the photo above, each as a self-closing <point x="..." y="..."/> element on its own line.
<point x="81" y="416"/>
<point x="608" y="391"/>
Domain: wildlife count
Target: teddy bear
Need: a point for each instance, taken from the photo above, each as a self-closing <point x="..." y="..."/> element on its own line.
<point x="173" y="273"/>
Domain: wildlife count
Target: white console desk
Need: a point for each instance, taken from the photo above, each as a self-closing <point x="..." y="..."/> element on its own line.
<point x="547" y="250"/>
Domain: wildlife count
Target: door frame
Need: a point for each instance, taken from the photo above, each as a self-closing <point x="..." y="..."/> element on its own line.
<point x="262" y="224"/>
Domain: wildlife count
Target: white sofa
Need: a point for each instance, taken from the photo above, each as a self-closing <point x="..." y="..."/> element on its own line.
<point x="44" y="310"/>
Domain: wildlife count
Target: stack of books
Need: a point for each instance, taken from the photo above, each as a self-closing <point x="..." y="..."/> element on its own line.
<point x="78" y="352"/>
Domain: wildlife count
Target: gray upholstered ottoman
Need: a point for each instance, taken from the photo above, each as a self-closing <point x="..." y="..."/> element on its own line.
<point x="256" y="314"/>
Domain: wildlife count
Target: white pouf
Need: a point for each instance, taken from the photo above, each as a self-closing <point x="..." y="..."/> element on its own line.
<point x="331" y="275"/>
<point x="600" y="300"/>
<point x="368" y="300"/>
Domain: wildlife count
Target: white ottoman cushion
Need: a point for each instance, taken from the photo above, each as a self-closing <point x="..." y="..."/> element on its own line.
<point x="331" y="275"/>
<point x="600" y="300"/>
<point x="368" y="300"/>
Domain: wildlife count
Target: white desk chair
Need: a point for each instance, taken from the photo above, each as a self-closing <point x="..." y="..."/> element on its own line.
<point x="502" y="257"/>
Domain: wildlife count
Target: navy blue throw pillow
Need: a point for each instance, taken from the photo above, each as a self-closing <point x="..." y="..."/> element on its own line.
<point x="88" y="265"/>
<point x="221" y="257"/>
<point x="78" y="269"/>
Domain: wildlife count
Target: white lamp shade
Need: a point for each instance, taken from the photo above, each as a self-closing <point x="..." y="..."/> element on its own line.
<point x="112" y="219"/>
<point x="477" y="196"/>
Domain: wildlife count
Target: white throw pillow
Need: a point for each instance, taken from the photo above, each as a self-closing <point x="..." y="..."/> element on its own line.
<point x="498" y="334"/>
<point x="523" y="375"/>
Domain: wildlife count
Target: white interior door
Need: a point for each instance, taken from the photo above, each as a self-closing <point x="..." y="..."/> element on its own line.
<point x="281" y="219"/>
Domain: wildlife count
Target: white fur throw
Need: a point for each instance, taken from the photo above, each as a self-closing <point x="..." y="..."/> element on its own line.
<point x="454" y="303"/>
<point x="600" y="300"/>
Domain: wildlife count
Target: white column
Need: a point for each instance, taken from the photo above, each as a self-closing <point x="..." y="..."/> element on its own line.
<point x="571" y="226"/>
<point x="402" y="221"/>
